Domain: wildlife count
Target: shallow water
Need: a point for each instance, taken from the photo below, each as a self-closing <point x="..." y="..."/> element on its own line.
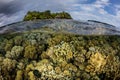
<point x="68" y="25"/>
<point x="51" y="55"/>
<point x="59" y="50"/>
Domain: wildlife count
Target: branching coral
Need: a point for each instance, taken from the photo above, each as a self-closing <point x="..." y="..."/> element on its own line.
<point x="45" y="68"/>
<point x="97" y="62"/>
<point x="9" y="45"/>
<point x="19" y="75"/>
<point x="112" y="67"/>
<point x="31" y="76"/>
<point x="18" y="40"/>
<point x="61" y="52"/>
<point x="30" y="52"/>
<point x="48" y="71"/>
<point x="15" y="52"/>
<point x="57" y="56"/>
<point x="56" y="39"/>
<point x="20" y="66"/>
<point x="8" y="64"/>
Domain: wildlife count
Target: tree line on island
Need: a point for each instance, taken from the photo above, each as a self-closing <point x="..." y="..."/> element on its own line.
<point x="34" y="15"/>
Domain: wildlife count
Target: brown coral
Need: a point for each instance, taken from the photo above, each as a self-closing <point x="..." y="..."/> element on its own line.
<point x="97" y="61"/>
<point x="30" y="52"/>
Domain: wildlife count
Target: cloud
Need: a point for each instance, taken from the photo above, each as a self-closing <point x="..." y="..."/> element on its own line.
<point x="96" y="11"/>
<point x="101" y="3"/>
<point x="9" y="11"/>
<point x="104" y="18"/>
<point x="117" y="9"/>
<point x="117" y="6"/>
<point x="9" y="7"/>
<point x="14" y="10"/>
<point x="4" y="19"/>
<point x="6" y="1"/>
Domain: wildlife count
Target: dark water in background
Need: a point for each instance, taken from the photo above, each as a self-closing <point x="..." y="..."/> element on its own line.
<point x="59" y="50"/>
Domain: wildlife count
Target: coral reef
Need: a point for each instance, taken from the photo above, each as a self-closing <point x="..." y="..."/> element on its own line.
<point x="30" y="52"/>
<point x="97" y="62"/>
<point x="39" y="55"/>
<point x="15" y="52"/>
<point x="61" y="52"/>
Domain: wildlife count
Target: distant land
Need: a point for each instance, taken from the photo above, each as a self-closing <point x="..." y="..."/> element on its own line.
<point x="61" y="21"/>
<point x="34" y="15"/>
<point x="101" y="22"/>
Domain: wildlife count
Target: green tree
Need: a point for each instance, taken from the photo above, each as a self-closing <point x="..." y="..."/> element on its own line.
<point x="33" y="15"/>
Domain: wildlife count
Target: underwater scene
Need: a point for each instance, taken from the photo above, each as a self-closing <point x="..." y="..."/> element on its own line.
<point x="59" y="39"/>
<point x="47" y="53"/>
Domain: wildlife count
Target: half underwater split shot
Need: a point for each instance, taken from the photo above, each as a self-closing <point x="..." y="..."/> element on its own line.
<point x="59" y="40"/>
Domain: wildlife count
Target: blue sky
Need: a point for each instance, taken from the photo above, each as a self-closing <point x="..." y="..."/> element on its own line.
<point x="101" y="10"/>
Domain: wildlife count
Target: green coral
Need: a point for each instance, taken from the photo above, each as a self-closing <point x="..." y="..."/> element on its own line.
<point x="97" y="62"/>
<point x="18" y="40"/>
<point x="15" y="53"/>
<point x="9" y="45"/>
<point x="112" y="68"/>
<point x="61" y="52"/>
<point x="8" y="64"/>
<point x="30" y="52"/>
<point x="39" y="55"/>
<point x="19" y="75"/>
<point x="46" y="70"/>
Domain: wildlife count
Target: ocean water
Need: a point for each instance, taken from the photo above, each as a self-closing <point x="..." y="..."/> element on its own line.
<point x="59" y="52"/>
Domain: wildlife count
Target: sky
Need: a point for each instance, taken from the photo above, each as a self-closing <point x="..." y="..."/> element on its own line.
<point x="101" y="10"/>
